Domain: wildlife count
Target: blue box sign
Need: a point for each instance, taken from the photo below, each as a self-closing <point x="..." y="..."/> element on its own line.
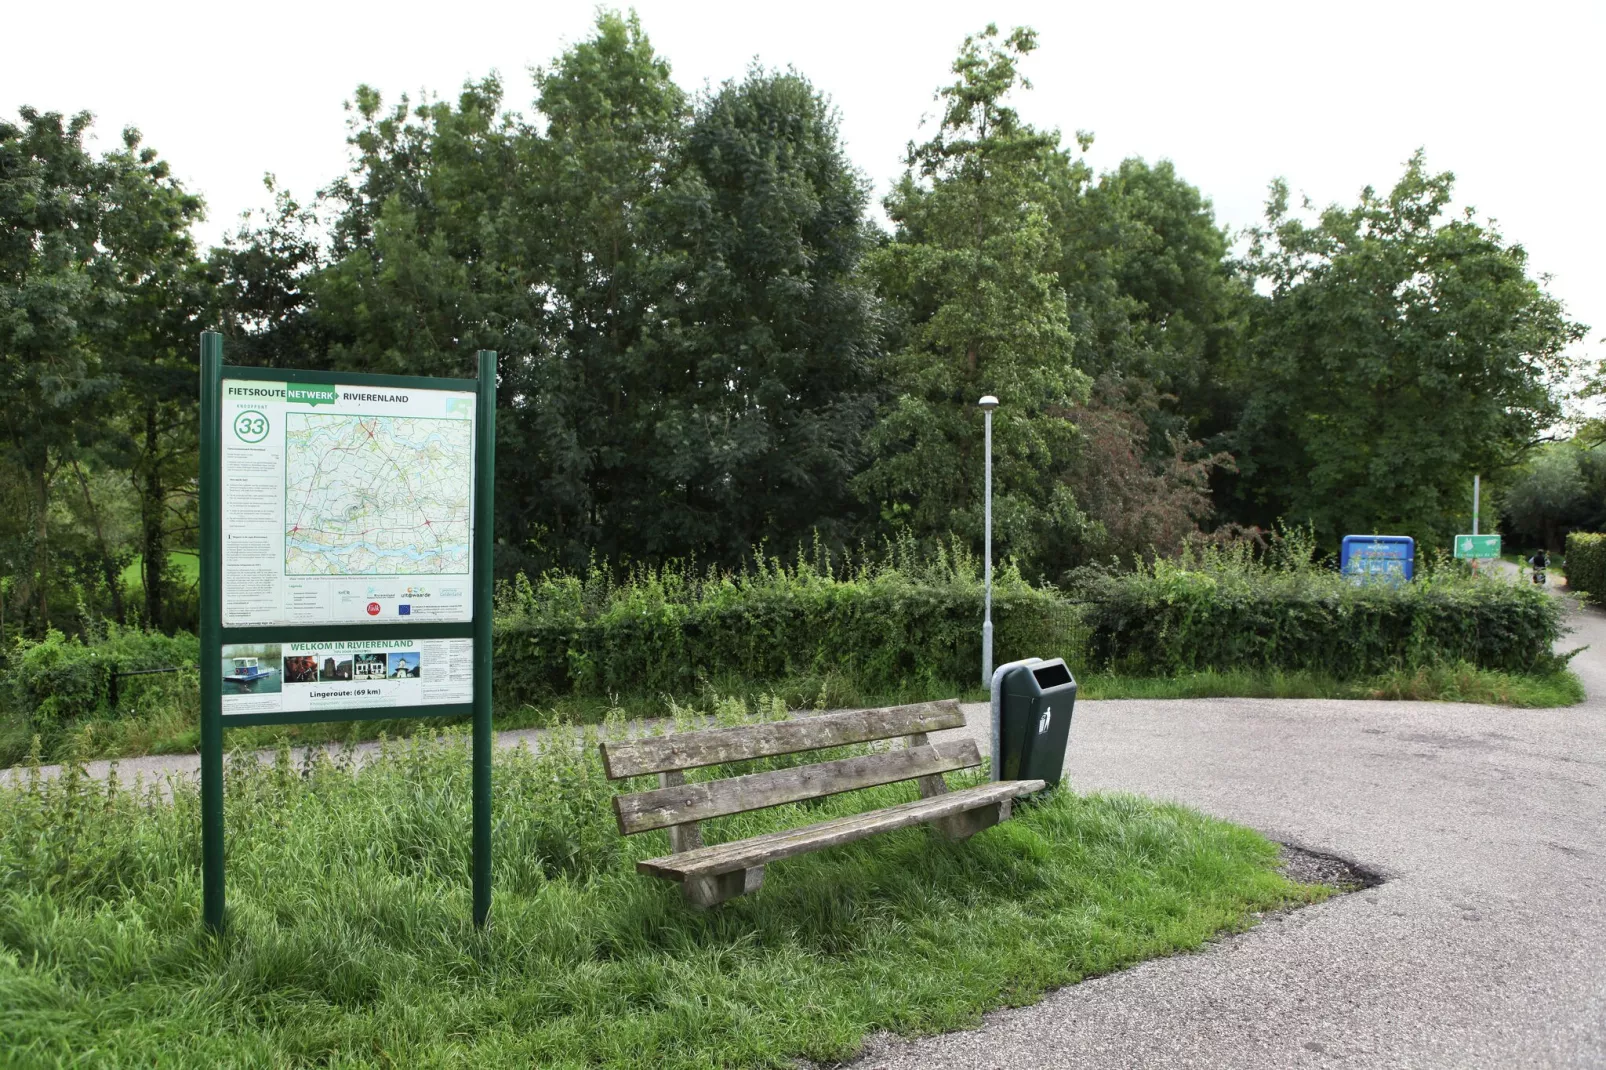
<point x="1378" y="558"/>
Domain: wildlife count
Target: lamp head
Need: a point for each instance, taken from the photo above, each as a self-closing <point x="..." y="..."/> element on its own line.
<point x="988" y="403"/>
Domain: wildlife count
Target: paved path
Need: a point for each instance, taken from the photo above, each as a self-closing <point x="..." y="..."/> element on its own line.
<point x="155" y="767"/>
<point x="1485" y="948"/>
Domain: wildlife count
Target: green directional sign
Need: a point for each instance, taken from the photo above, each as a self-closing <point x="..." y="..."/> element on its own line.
<point x="1477" y="546"/>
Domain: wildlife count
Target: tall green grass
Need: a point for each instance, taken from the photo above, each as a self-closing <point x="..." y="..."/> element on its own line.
<point x="349" y="942"/>
<point x="1446" y="683"/>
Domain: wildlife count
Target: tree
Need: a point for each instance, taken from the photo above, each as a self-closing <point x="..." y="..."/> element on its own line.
<point x="972" y="267"/>
<point x="687" y="345"/>
<point x="613" y="120"/>
<point x="766" y="362"/>
<point x="100" y="295"/>
<point x="1138" y="503"/>
<point x="1397" y="354"/>
<point x="1144" y="265"/>
<point x="1545" y="500"/>
<point x="56" y="291"/>
<point x="150" y="353"/>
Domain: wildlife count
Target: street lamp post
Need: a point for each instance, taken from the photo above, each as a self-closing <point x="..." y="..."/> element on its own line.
<point x="988" y="404"/>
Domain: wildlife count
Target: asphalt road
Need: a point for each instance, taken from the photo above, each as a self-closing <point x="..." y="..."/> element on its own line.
<point x="1486" y="947"/>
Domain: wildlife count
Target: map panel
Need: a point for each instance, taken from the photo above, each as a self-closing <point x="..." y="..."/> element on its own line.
<point x="376" y="495"/>
<point x="346" y="504"/>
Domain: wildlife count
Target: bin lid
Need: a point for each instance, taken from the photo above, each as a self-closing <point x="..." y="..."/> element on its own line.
<point x="1042" y="677"/>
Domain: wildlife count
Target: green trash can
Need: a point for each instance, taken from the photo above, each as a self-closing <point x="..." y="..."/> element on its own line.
<point x="1036" y="701"/>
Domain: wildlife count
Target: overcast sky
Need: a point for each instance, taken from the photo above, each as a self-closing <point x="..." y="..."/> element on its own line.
<point x="1331" y="96"/>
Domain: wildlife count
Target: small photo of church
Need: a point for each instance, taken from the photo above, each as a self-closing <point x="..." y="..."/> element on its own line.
<point x="404" y="666"/>
<point x="368" y="666"/>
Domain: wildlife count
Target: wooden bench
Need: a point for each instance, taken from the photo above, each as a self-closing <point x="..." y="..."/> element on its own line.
<point x="711" y="875"/>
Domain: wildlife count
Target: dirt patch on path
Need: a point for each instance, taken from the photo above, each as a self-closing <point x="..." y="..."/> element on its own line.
<point x="1306" y="866"/>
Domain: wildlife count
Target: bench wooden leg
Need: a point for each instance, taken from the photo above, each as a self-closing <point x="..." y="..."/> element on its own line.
<point x="965" y="825"/>
<point x="705" y="892"/>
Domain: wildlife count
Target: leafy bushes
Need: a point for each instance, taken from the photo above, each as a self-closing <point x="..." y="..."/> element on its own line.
<point x="906" y="623"/>
<point x="1225" y="611"/>
<point x="1586" y="563"/>
<point x="56" y="682"/>
<point x="885" y="626"/>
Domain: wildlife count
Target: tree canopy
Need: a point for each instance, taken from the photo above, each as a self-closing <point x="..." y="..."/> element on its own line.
<point x="710" y="346"/>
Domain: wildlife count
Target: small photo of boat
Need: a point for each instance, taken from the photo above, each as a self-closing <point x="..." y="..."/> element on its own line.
<point x="251" y="669"/>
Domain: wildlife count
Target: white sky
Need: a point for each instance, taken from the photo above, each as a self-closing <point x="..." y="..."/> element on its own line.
<point x="1332" y="96"/>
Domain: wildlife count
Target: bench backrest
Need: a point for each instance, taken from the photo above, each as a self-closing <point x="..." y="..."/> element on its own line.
<point x="676" y="803"/>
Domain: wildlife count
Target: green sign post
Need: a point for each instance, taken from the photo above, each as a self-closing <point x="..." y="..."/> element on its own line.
<point x="1477" y="547"/>
<point x="346" y="526"/>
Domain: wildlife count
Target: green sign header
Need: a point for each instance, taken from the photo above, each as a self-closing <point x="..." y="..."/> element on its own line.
<point x="310" y="395"/>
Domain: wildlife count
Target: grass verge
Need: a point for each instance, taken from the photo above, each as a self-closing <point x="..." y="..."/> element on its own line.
<point x="1460" y="683"/>
<point x="174" y="729"/>
<point x="349" y="942"/>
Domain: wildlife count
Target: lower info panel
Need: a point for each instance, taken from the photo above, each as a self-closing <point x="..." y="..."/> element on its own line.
<point x="292" y="678"/>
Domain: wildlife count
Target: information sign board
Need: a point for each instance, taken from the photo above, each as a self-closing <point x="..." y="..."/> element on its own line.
<point x="340" y="674"/>
<point x="345" y="564"/>
<point x="346" y="504"/>
<point x="1477" y="546"/>
<point x="1377" y="558"/>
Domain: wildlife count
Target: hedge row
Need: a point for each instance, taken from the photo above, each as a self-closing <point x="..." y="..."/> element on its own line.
<point x="1167" y="620"/>
<point x="882" y="633"/>
<point x="1586" y="563"/>
<point x="887" y="628"/>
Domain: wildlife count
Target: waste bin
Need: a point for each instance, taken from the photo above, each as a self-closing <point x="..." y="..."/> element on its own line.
<point x="1036" y="701"/>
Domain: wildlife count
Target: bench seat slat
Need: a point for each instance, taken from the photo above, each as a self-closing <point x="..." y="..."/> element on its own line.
<point x="715" y="746"/>
<point x="682" y="803"/>
<point x="773" y="846"/>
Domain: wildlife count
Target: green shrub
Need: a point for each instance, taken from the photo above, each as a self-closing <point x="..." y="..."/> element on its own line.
<point x="1226" y="612"/>
<point x="1586" y="563"/>
<point x="670" y="631"/>
<point x="56" y="683"/>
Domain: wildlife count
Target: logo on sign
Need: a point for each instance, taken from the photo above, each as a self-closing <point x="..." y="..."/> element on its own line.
<point x="403" y="610"/>
<point x="250" y="426"/>
<point x="373" y="609"/>
<point x="306" y="394"/>
<point x="1042" y="722"/>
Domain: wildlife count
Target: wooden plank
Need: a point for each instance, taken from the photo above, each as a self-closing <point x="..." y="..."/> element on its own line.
<point x="682" y="804"/>
<point x="714" y="746"/>
<point x="964" y="826"/>
<point x="687" y="837"/>
<point x="758" y="850"/>
<point x="929" y="785"/>
<point x="705" y="892"/>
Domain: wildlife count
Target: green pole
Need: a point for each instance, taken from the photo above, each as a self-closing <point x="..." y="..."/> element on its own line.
<point x="211" y="633"/>
<point x="484" y="513"/>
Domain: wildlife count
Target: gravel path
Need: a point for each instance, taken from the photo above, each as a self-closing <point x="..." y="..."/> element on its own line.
<point x="1486" y="946"/>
